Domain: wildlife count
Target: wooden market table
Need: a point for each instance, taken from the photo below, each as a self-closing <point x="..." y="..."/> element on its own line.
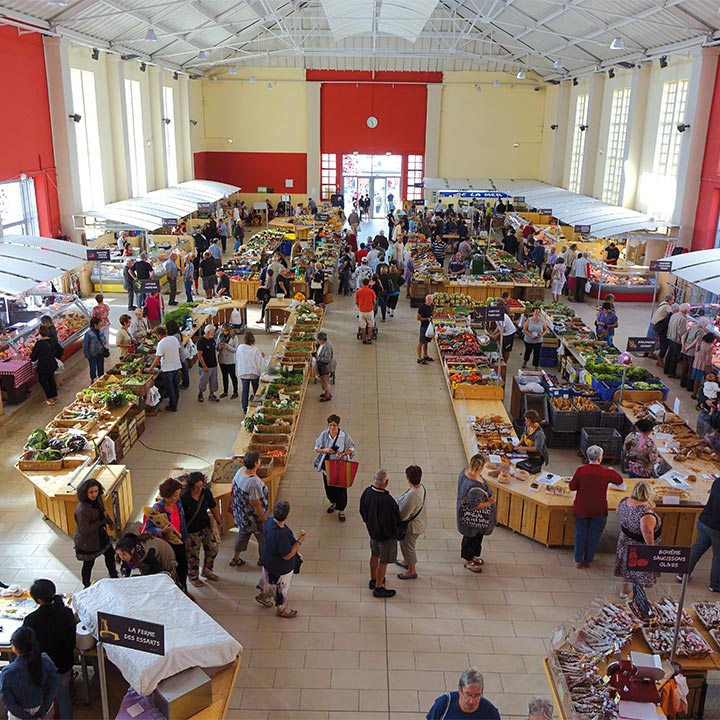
<point x="243" y="289"/>
<point x="277" y="312"/>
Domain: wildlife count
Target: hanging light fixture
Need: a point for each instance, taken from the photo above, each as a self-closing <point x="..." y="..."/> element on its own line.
<point x="521" y="75"/>
<point x="151" y="35"/>
<point x="233" y="70"/>
<point x="202" y="56"/>
<point x="558" y="64"/>
<point x="617" y="44"/>
<point x="496" y="83"/>
<point x="253" y="79"/>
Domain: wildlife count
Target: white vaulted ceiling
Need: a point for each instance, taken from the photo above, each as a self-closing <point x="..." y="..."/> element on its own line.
<point x="554" y="38"/>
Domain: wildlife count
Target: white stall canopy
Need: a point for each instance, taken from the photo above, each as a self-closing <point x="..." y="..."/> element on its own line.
<point x="701" y="268"/>
<point x="602" y="219"/>
<point x="27" y="261"/>
<point x="161" y="207"/>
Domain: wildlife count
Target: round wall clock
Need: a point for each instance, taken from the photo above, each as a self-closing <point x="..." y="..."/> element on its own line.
<point x="372" y="122"/>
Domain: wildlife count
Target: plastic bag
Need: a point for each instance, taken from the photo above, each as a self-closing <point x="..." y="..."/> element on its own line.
<point x="430" y="332"/>
<point x="588" y="287"/>
<point x="60" y="366"/>
<point x="190" y="349"/>
<point x="152" y="398"/>
<point x="107" y="451"/>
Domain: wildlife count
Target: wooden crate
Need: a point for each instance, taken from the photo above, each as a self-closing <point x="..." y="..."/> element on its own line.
<point x="479" y="392"/>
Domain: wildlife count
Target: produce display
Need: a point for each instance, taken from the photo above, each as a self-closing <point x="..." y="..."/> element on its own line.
<point x="662" y="612"/>
<point x="459" y="344"/>
<point x="690" y="643"/>
<point x="589" y="696"/>
<point x="708" y="613"/>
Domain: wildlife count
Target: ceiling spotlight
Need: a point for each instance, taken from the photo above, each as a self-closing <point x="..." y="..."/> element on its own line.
<point x="617" y="44"/>
<point x="175" y="76"/>
<point x="269" y="86"/>
<point x="166" y="120"/>
<point x="583" y="128"/>
<point x="516" y="145"/>
<point x="478" y="89"/>
<point x="558" y="64"/>
<point x="129" y="56"/>
<point x="554" y="126"/>
<point x="521" y="75"/>
<point x="611" y="73"/>
<point x="253" y="79"/>
<point x="682" y="127"/>
<point x="75" y="117"/>
<point x="95" y="55"/>
<point x="230" y="141"/>
<point x="143" y="67"/>
<point x="195" y="76"/>
<point x="575" y="82"/>
<point x="496" y="83"/>
<point x="193" y="122"/>
<point x="202" y="56"/>
<point x="233" y="70"/>
<point x="663" y="61"/>
<point x="151" y="35"/>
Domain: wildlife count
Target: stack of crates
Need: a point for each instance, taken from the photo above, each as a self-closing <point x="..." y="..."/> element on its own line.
<point x="608" y="439"/>
<point x="563" y="430"/>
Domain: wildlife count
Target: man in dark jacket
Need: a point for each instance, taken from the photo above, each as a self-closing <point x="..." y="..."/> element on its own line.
<point x="379" y="511"/>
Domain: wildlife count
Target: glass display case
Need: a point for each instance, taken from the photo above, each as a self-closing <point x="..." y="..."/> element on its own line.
<point x="629" y="283"/>
<point x="21" y="319"/>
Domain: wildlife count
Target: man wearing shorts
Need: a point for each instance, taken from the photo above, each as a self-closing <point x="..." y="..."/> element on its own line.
<point x="207" y="273"/>
<point x="380" y="513"/>
<point x="425" y="313"/>
<point x="365" y="301"/>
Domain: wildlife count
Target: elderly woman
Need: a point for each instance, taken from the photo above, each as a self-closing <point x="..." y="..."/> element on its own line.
<point x="280" y="559"/>
<point x="175" y="529"/>
<point x="139" y="327"/>
<point x="148" y="554"/>
<point x="472" y="489"/>
<point x="250" y="364"/>
<point x="324" y="358"/>
<point x="467" y="702"/>
<point x="702" y="363"/>
<point x="590" y="506"/>
<point x="249" y="507"/>
<point x="557" y="278"/>
<point x="540" y="709"/>
<point x="198" y="504"/>
<point x="534" y="329"/>
<point x="334" y="444"/>
<point x="412" y="513"/>
<point x="227" y="347"/>
<point x="639" y="525"/>
<point x="91" y="537"/>
<point x="640" y="450"/>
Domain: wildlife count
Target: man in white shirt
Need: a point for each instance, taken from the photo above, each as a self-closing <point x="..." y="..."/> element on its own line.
<point x="167" y="355"/>
<point x="581" y="275"/>
<point x="505" y="332"/>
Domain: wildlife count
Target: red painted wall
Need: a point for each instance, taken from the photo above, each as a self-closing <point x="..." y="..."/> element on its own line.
<point x="253" y="170"/>
<point x="369" y="77"/>
<point x="400" y="110"/>
<point x="25" y="128"/>
<point x="706" y="215"/>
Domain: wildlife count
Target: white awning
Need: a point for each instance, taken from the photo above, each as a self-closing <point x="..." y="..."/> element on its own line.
<point x="27" y="261"/>
<point x="603" y="219"/>
<point x="701" y="268"/>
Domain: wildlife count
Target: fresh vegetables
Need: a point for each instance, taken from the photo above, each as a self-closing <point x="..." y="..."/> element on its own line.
<point x="38" y="439"/>
<point x="46" y="455"/>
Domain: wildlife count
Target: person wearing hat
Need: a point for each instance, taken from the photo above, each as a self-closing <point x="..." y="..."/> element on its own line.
<point x="362" y="272"/>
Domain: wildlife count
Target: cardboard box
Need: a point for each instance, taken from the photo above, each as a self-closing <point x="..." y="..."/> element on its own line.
<point x="183" y="695"/>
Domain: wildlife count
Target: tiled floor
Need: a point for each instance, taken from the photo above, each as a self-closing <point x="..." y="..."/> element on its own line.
<point x="348" y="656"/>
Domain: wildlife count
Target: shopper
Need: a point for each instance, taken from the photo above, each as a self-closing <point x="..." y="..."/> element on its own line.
<point x="207" y="273"/>
<point x="227" y="347"/>
<point x="280" y="560"/>
<point x="365" y="302"/>
<point x="424" y="316"/>
<point x="55" y="625"/>
<point x="123" y="339"/>
<point x="381" y="516"/>
<point x="386" y="286"/>
<point x="590" y="506"/>
<point x="189" y="276"/>
<point x="708" y="536"/>
<point x="397" y="281"/>
<point x="249" y="507"/>
<point x="470" y="478"/>
<point x="660" y="318"/>
<point x="702" y="363"/>
<point x="557" y="279"/>
<point x="174" y="331"/>
<point x="606" y="323"/>
<point x="534" y="329"/>
<point x="207" y="360"/>
<point x="334" y="444"/>
<point x="467" y="702"/>
<point x="222" y="287"/>
<point x="142" y="270"/>
<point x="198" y="506"/>
<point x="640" y="450"/>
<point x="91" y="535"/>
<point x="148" y="554"/>
<point x="570" y="258"/>
<point x="30" y="683"/>
<point x="675" y="331"/>
<point x="101" y="310"/>
<point x="325" y="361"/>
<point x="250" y="365"/>
<point x="95" y="349"/>
<point x="129" y="283"/>
<point x="414" y="519"/>
<point x="139" y="328"/>
<point x="45" y="353"/>
<point x="175" y="529"/>
<point x="171" y="274"/>
<point x="540" y="709"/>
<point x="639" y="525"/>
<point x="154" y="308"/>
<point x="168" y="355"/>
<point x="581" y="268"/>
<point x="690" y="342"/>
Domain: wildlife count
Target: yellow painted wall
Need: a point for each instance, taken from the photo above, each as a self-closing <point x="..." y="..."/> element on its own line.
<point x="549" y="136"/>
<point x="254" y="117"/>
<point x="478" y="130"/>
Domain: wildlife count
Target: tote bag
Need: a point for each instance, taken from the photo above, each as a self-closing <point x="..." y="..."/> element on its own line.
<point x="341" y="473"/>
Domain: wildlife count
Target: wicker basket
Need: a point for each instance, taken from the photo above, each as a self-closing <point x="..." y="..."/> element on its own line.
<point x="62" y="424"/>
<point x="277" y="439"/>
<point x="25" y="463"/>
<point x="273" y="412"/>
<point x="263" y="449"/>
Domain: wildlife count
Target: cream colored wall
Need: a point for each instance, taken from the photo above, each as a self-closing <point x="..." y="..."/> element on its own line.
<point x="547" y="144"/>
<point x="478" y="130"/>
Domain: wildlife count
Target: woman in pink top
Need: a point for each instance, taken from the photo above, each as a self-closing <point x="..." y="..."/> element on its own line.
<point x="102" y="311"/>
<point x="154" y="309"/>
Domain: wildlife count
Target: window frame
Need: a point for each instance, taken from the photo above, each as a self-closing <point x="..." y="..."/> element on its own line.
<point x="616" y="146"/>
<point x="577" y="153"/>
<point x="137" y="165"/>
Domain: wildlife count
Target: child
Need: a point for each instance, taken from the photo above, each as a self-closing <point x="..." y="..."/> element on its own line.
<point x="708" y="393"/>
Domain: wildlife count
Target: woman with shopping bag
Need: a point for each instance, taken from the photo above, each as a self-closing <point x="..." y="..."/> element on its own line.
<point x="335" y="450"/>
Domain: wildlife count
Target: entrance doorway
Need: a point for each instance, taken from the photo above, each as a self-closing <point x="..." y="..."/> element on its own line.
<point x="377" y="176"/>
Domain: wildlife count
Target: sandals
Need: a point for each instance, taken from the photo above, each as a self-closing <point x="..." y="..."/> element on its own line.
<point x="264" y="600"/>
<point x="211" y="576"/>
<point x="286" y="613"/>
<point x="472" y="567"/>
<point x="478" y="561"/>
<point x="197" y="582"/>
<point x="421" y="362"/>
<point x="331" y="509"/>
<point x="403" y="576"/>
<point x="341" y="516"/>
<point x="236" y="563"/>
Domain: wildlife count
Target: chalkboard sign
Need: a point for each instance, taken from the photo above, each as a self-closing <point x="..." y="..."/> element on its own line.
<point x="642" y="344"/>
<point x="582" y="229"/>
<point x="673" y="559"/>
<point x="322" y="217"/>
<point x="545" y="211"/>
<point x="98" y="254"/>
<point x="170" y="221"/>
<point x="661" y="265"/>
<point x="149" y="286"/>
<point x="495" y="313"/>
<point x="519" y="199"/>
<point x="128" y="633"/>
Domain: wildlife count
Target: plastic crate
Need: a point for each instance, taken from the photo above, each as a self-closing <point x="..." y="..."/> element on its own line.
<point x="557" y="439"/>
<point x="588" y="418"/>
<point x="609" y="439"/>
<point x="611" y="419"/>
<point x="548" y="352"/>
<point x="548" y="362"/>
<point x="536" y="402"/>
<point x="565" y="422"/>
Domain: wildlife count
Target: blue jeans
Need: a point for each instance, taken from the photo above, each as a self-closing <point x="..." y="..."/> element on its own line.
<point x="707" y="537"/>
<point x="245" y="398"/>
<point x="185" y="374"/>
<point x="171" y="382"/>
<point x="97" y="366"/>
<point x="587" y="537"/>
<point x="188" y="290"/>
<point x="63" y="699"/>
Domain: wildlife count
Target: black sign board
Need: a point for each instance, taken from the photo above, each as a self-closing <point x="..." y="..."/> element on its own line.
<point x="661" y="265"/>
<point x="659" y="558"/>
<point x="545" y="211"/>
<point x="170" y="221"/>
<point x="322" y="217"/>
<point x="582" y="229"/>
<point x="101" y="255"/>
<point x="642" y="344"/>
<point x="204" y="206"/>
<point x="149" y="286"/>
<point x="128" y="633"/>
<point x="495" y="313"/>
<point x="519" y="199"/>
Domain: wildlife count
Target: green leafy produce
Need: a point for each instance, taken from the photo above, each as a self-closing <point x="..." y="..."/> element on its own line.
<point x="46" y="455"/>
<point x="38" y="439"/>
<point x="252" y="421"/>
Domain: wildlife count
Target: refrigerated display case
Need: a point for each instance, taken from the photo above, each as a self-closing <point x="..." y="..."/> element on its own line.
<point x="628" y="283"/>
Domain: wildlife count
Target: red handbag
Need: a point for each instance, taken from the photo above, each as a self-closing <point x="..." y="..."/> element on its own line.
<point x="341" y="473"/>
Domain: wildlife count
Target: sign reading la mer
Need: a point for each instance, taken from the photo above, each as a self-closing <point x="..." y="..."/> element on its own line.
<point x="473" y="193"/>
<point x="659" y="558"/>
<point x="129" y="633"/>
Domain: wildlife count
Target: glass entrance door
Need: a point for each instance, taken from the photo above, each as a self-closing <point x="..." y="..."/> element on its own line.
<point x="377" y="176"/>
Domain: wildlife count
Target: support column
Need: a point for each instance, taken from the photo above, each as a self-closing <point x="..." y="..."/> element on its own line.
<point x="433" y="111"/>
<point x="592" y="134"/>
<point x="639" y="89"/>
<point x="118" y="126"/>
<point x="157" y="128"/>
<point x="562" y="119"/>
<point x="182" y="118"/>
<point x="314" y="113"/>
<point x="57" y="64"/>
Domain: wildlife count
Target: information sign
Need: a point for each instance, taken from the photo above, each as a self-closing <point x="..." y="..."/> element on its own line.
<point x="642" y="344"/>
<point x="98" y="254"/>
<point x="129" y="633"/>
<point x="149" y="286"/>
<point x="661" y="265"/>
<point x="673" y="559"/>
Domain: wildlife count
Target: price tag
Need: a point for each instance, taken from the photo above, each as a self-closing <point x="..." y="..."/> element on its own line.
<point x="661" y="265"/>
<point x="322" y="217"/>
<point x="98" y="254"/>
